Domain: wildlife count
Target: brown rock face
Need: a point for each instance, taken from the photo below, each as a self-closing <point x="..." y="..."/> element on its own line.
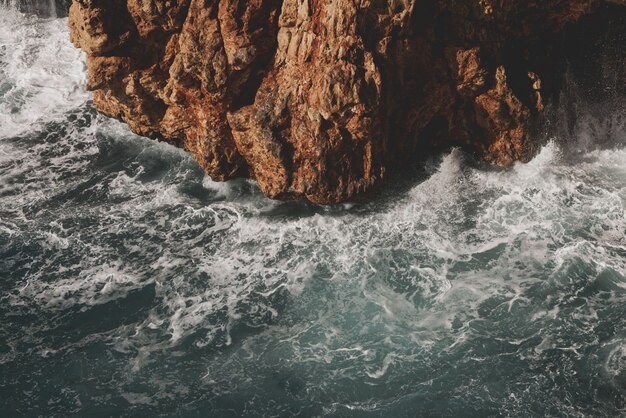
<point x="323" y="99"/>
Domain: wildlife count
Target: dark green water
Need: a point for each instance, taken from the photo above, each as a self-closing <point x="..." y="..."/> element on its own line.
<point x="132" y="285"/>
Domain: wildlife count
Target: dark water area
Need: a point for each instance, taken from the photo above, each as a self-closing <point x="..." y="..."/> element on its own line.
<point x="133" y="285"/>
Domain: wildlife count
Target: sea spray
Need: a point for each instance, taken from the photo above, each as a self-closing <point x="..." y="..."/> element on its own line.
<point x="42" y="8"/>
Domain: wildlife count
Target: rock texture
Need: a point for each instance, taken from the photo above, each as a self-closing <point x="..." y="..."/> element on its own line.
<point x="324" y="99"/>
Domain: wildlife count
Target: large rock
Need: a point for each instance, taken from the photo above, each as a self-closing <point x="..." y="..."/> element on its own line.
<point x="323" y="99"/>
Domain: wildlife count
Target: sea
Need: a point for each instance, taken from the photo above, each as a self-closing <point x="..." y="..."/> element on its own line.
<point x="131" y="284"/>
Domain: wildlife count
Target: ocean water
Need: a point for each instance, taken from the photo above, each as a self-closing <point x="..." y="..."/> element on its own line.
<point x="133" y="285"/>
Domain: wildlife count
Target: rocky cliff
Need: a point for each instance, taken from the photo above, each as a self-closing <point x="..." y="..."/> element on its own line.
<point x="324" y="99"/>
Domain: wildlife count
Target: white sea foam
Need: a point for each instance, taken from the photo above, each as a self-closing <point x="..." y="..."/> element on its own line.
<point x="42" y="74"/>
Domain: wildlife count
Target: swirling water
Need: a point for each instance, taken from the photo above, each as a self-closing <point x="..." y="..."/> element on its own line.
<point x="133" y="285"/>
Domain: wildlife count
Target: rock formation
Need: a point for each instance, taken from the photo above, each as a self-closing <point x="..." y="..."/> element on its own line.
<point x="324" y="99"/>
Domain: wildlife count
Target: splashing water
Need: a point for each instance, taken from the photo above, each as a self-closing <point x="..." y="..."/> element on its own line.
<point x="42" y="8"/>
<point x="130" y="283"/>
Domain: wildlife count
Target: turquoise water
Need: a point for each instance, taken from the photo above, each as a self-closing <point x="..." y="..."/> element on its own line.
<point x="133" y="285"/>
